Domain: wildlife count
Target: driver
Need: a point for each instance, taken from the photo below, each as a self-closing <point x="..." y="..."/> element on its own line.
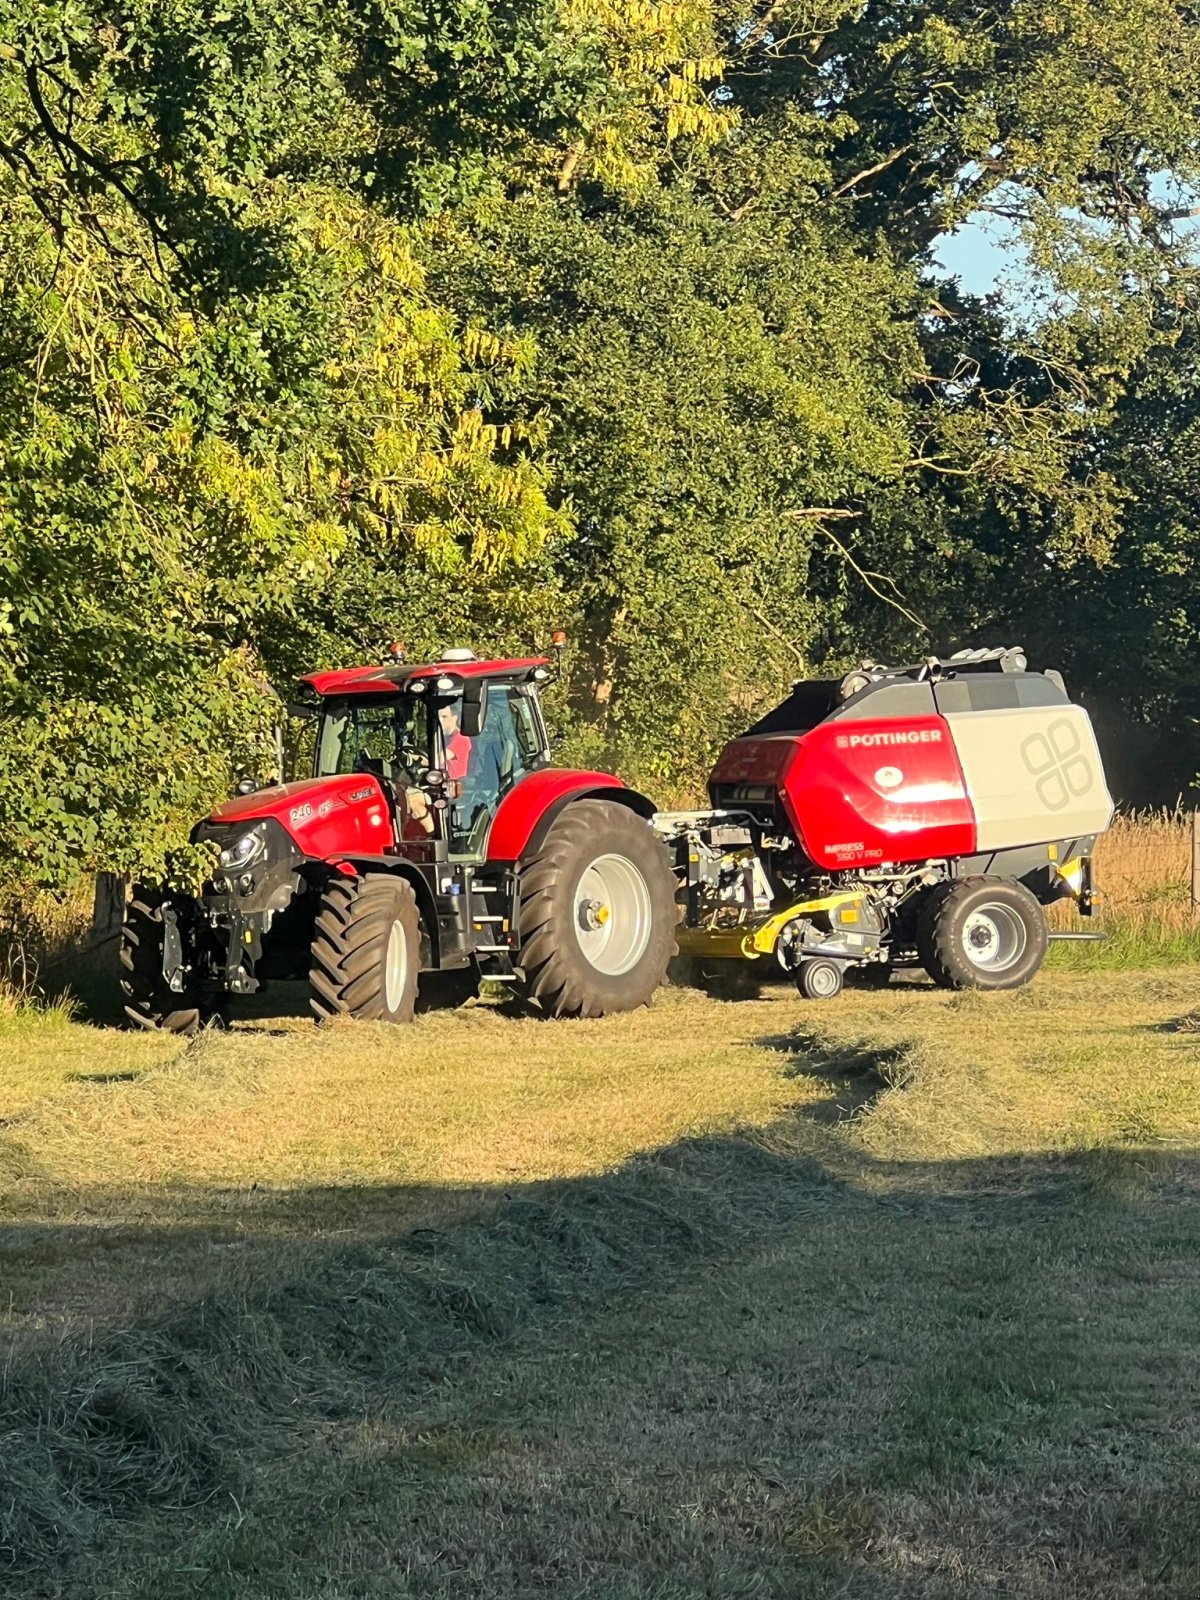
<point x="458" y="746"/>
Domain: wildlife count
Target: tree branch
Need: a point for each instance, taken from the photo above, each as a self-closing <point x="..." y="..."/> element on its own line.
<point x="870" y="172"/>
<point x="867" y="577"/>
<point x="65" y="144"/>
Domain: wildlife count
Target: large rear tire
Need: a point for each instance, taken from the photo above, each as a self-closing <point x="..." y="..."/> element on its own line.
<point x="366" y="952"/>
<point x="149" y="1001"/>
<point x="982" y="933"/>
<point x="597" y="913"/>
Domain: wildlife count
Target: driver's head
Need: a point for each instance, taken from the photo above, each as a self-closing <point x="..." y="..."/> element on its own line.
<point x="448" y="717"/>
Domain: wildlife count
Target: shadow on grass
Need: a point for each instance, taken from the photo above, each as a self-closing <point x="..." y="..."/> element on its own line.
<point x="95" y="998"/>
<point x="301" y="1328"/>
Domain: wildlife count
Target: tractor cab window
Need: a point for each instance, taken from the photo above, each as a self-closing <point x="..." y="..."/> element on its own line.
<point x="388" y="738"/>
<point x="509" y="744"/>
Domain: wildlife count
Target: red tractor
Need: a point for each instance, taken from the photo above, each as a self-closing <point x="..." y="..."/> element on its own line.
<point x="912" y="815"/>
<point x="433" y="837"/>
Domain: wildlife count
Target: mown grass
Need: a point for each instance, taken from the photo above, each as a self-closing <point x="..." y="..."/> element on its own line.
<point x="896" y="1297"/>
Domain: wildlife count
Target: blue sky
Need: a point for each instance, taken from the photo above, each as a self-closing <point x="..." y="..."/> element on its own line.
<point x="979" y="253"/>
<point x="987" y="250"/>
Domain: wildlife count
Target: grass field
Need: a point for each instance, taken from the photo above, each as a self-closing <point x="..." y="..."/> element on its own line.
<point x="898" y="1296"/>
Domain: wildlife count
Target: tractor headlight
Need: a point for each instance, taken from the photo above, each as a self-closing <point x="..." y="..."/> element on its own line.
<point x="247" y="849"/>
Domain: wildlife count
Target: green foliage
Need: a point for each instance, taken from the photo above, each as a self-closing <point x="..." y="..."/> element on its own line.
<point x="711" y="387"/>
<point x="323" y="325"/>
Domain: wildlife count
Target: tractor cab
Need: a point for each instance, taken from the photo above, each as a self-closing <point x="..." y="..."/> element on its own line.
<point x="446" y="740"/>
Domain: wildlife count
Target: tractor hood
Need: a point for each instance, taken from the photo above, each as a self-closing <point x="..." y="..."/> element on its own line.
<point x="324" y="817"/>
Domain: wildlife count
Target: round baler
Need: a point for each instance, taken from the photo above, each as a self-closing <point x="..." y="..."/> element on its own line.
<point x="912" y="815"/>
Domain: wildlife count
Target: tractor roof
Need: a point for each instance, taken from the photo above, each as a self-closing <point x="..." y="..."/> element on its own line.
<point x="389" y="679"/>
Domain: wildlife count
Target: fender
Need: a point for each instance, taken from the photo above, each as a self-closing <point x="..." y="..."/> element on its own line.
<point x="527" y="810"/>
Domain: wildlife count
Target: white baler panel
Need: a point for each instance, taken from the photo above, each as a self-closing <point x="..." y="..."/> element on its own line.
<point x="1033" y="774"/>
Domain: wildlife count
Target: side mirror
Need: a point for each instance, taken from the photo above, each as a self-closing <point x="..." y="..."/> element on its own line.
<point x="474" y="707"/>
<point x="304" y="710"/>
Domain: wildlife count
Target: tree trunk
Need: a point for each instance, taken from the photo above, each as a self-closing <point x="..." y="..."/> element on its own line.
<point x="602" y="684"/>
<point x="108" y="913"/>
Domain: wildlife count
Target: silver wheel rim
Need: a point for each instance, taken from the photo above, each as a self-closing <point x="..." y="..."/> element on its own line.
<point x="994" y="938"/>
<point x="612" y="915"/>
<point x="822" y="981"/>
<point x="395" y="967"/>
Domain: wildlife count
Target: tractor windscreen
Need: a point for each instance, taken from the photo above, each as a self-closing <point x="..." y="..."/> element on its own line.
<point x="385" y="736"/>
<point x="809" y="703"/>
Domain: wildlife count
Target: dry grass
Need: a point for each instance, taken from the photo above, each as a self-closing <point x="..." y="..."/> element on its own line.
<point x="1143" y="871"/>
<point x="1144" y="866"/>
<point x="43" y="940"/>
<point x="896" y="1297"/>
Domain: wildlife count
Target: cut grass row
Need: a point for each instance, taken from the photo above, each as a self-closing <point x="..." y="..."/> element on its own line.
<point x="893" y="1297"/>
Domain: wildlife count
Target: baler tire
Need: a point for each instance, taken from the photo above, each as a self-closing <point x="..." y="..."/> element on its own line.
<point x="820" y="979"/>
<point x="149" y="1002"/>
<point x="598" y="837"/>
<point x="366" y="952"/>
<point x="991" y="910"/>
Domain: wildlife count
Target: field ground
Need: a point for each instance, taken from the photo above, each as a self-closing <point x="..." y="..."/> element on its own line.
<point x="898" y="1296"/>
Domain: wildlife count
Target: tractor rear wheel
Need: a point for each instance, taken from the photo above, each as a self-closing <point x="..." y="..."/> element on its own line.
<point x="982" y="933"/>
<point x="366" y="953"/>
<point x="597" y="913"/>
<point x="149" y="1001"/>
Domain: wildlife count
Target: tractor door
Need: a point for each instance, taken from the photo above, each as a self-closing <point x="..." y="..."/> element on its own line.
<point x="508" y="745"/>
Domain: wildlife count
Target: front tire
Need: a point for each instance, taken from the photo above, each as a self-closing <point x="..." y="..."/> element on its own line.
<point x="597" y="915"/>
<point x="982" y="933"/>
<point x="149" y="1001"/>
<point x="366" y="952"/>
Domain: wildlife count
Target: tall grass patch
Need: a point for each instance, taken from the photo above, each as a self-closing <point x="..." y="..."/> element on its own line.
<point x="1143" y="874"/>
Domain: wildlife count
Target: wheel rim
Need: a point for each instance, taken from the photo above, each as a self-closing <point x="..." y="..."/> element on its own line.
<point x="395" y="967"/>
<point x="822" y="981"/>
<point x="612" y="915"/>
<point x="994" y="938"/>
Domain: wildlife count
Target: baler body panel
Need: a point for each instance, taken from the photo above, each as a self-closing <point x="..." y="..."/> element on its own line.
<point x="857" y="793"/>
<point x="860" y="791"/>
<point x="863" y="792"/>
<point x="1034" y="774"/>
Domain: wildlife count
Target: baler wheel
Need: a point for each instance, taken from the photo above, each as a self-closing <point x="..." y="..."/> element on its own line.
<point x="597" y="913"/>
<point x="819" y="980"/>
<point x="982" y="933"/>
<point x="366" y="954"/>
<point x="149" y="1003"/>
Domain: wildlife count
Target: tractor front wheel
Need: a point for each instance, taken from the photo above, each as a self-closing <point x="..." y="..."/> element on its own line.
<point x="366" y="954"/>
<point x="149" y="1001"/>
<point x="597" y="913"/>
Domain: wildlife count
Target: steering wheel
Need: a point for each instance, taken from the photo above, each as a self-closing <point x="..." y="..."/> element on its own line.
<point x="411" y="758"/>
